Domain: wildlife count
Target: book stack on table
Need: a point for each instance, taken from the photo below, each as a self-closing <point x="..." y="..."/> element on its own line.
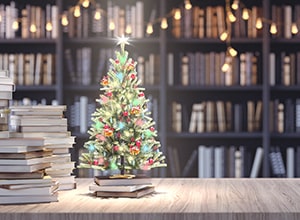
<point x="6" y="90"/>
<point x="136" y="187"/>
<point x="22" y="172"/>
<point x="48" y="122"/>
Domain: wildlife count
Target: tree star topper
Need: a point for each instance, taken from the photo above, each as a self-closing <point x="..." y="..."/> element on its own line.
<point x="122" y="41"/>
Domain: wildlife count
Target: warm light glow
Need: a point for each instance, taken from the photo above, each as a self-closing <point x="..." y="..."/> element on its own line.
<point x="0" y="18"/>
<point x="32" y="28"/>
<point x="245" y="14"/>
<point x="97" y="15"/>
<point x="64" y="20"/>
<point x="77" y="11"/>
<point x="231" y="17"/>
<point x="225" y="67"/>
<point x="294" y="28"/>
<point x="259" y="23"/>
<point x="149" y="29"/>
<point x="177" y="14"/>
<point x="224" y="36"/>
<point x="164" y="23"/>
<point x="273" y="28"/>
<point x="15" y="25"/>
<point x="187" y="5"/>
<point x="232" y="51"/>
<point x="49" y="26"/>
<point x="128" y="29"/>
<point x="85" y="3"/>
<point x="235" y="5"/>
<point x="112" y="25"/>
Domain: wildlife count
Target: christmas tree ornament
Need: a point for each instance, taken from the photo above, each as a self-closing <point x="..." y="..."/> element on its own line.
<point x="122" y="136"/>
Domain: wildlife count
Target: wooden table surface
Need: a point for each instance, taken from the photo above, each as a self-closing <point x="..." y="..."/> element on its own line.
<point x="190" y="198"/>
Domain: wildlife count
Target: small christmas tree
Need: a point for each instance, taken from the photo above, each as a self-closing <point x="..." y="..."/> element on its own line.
<point x="122" y="136"/>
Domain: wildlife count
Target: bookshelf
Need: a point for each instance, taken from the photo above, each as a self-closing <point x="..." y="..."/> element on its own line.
<point x="80" y="51"/>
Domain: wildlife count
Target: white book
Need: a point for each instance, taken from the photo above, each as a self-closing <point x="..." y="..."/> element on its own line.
<point x="19" y="149"/>
<point x="45" y="179"/>
<point x="23" y="168"/>
<point x="129" y="188"/>
<point x="59" y="140"/>
<point x="219" y="162"/>
<point x="30" y="161"/>
<point x="139" y="22"/>
<point x="201" y="161"/>
<point x="44" y="122"/>
<point x="54" y="21"/>
<point x="49" y="190"/>
<point x="29" y="199"/>
<point x="290" y="162"/>
<point x="272" y="69"/>
<point x="257" y="162"/>
<point x="22" y="142"/>
<point x="6" y="95"/>
<point x="83" y="114"/>
<point x="170" y="69"/>
<point x="39" y="134"/>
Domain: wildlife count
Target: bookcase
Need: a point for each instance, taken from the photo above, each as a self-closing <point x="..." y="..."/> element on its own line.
<point x="181" y="70"/>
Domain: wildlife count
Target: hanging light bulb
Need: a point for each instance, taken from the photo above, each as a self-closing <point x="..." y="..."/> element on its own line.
<point x="187" y="5"/>
<point x="164" y="23"/>
<point x="231" y="17"/>
<point x="235" y="5"/>
<point x="149" y="29"/>
<point x="245" y="14"/>
<point x="224" y="36"/>
<point x="97" y="15"/>
<point x="15" y="25"/>
<point x="294" y="28"/>
<point x="128" y="29"/>
<point x="232" y="51"/>
<point x="64" y="20"/>
<point x="85" y="3"/>
<point x="259" y="23"/>
<point x="77" y="11"/>
<point x="177" y="14"/>
<point x="49" y="26"/>
<point x="273" y="28"/>
<point x="0" y="18"/>
<point x="112" y="25"/>
<point x="32" y="28"/>
<point x="225" y="67"/>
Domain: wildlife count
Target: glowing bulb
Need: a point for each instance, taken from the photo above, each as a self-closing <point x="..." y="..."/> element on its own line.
<point x="77" y="11"/>
<point x="15" y="25"/>
<point x="224" y="36"/>
<point x="149" y="29"/>
<point x="187" y="5"/>
<point x="49" y="26"/>
<point x="164" y="23"/>
<point x="64" y="20"/>
<point x="85" y="3"/>
<point x="177" y="14"/>
<point x="112" y="25"/>
<point x="259" y="23"/>
<point x="294" y="28"/>
<point x="245" y="14"/>
<point x="231" y="17"/>
<point x="0" y="18"/>
<point x="32" y="28"/>
<point x="235" y="5"/>
<point x="97" y="15"/>
<point x="273" y="28"/>
<point x="232" y="51"/>
<point x="225" y="67"/>
<point x="128" y="29"/>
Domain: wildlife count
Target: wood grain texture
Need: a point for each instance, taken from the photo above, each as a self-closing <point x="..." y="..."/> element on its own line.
<point x="213" y="199"/>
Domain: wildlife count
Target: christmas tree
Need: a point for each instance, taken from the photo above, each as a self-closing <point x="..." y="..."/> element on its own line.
<point x="123" y="134"/>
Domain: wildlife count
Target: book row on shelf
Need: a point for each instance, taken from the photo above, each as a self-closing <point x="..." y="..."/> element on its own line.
<point x="28" y="21"/>
<point x="82" y="72"/>
<point x="210" y="22"/>
<point x="217" y="116"/>
<point x="236" y="161"/>
<point x="30" y="68"/>
<point x="284" y="68"/>
<point x="80" y="112"/>
<point x="206" y="69"/>
<point x="117" y="21"/>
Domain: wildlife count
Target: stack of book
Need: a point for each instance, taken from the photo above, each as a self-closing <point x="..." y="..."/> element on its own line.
<point x="49" y="123"/>
<point x="22" y="172"/>
<point x="117" y="187"/>
<point x="6" y="90"/>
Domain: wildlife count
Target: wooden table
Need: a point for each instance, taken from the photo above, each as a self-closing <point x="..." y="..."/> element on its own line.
<point x="213" y="199"/>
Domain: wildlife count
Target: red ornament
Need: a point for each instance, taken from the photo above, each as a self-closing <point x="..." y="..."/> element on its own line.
<point x="96" y="162"/>
<point x="104" y="81"/>
<point x="141" y="94"/>
<point x="109" y="94"/>
<point x="152" y="129"/>
<point x="132" y="139"/>
<point x="125" y="114"/>
<point x="132" y="76"/>
<point x="117" y="61"/>
<point x="116" y="148"/>
<point x="138" y="143"/>
<point x="150" y="161"/>
<point x="134" y="150"/>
